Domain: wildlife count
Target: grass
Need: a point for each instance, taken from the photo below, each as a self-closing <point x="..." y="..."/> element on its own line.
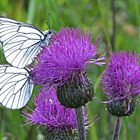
<point x="89" y="15"/>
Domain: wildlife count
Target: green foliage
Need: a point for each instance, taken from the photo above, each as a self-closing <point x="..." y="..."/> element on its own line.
<point x="96" y="17"/>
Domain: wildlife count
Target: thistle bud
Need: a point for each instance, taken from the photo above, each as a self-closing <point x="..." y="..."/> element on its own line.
<point x="124" y="107"/>
<point x="75" y="92"/>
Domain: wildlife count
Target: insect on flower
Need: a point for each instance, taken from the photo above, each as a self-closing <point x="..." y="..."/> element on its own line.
<point x="21" y="43"/>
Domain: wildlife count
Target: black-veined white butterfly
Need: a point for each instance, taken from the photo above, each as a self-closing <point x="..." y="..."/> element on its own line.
<point x="15" y="86"/>
<point x="21" y="41"/>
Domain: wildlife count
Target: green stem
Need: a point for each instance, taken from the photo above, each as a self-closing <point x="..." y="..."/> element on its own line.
<point x="80" y="123"/>
<point x="117" y="128"/>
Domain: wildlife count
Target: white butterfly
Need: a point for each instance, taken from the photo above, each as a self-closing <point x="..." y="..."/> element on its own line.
<point x="21" y="41"/>
<point x="15" y="87"/>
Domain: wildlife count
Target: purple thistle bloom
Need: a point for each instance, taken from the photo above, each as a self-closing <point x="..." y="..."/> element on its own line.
<point x="50" y="113"/>
<point x="122" y="76"/>
<point x="63" y="64"/>
<point x="68" y="53"/>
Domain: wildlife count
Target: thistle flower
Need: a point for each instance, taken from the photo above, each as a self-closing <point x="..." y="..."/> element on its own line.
<point x="59" y="121"/>
<point x="63" y="63"/>
<point x="121" y="83"/>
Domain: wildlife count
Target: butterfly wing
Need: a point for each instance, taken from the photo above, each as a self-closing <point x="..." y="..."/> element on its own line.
<point x="21" y="41"/>
<point x="15" y="87"/>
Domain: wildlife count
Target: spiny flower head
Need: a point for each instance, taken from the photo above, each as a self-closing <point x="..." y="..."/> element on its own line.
<point x="122" y="76"/>
<point x="121" y="81"/>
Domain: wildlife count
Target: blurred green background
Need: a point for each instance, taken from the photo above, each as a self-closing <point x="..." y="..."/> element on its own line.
<point x="89" y="15"/>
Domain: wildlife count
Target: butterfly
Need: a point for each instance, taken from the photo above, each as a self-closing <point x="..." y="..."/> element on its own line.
<point x="21" y="43"/>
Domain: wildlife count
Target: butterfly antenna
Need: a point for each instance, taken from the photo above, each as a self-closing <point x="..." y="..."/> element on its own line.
<point x="48" y="21"/>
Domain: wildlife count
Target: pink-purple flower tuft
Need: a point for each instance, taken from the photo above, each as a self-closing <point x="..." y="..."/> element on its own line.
<point x="50" y="113"/>
<point x="122" y="76"/>
<point x="69" y="51"/>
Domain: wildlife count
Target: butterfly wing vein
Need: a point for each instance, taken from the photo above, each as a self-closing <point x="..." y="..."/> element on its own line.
<point x="15" y="87"/>
<point x="21" y="42"/>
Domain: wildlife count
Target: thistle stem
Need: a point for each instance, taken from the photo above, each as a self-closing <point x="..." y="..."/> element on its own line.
<point x="117" y="128"/>
<point x="80" y="123"/>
